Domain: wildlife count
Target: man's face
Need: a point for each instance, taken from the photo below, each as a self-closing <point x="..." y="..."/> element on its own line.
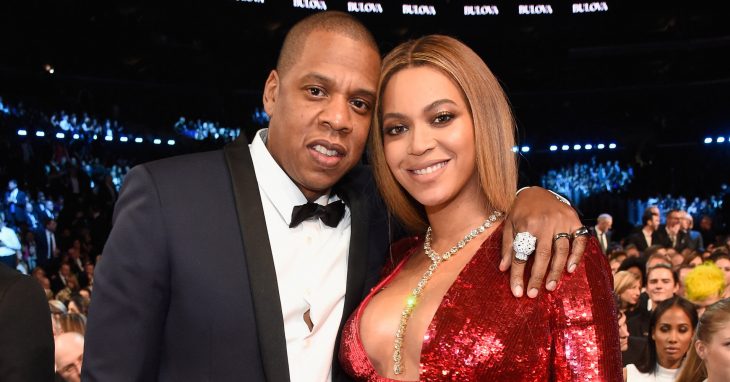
<point x="660" y="285"/>
<point x="686" y="221"/>
<point x="655" y="221"/>
<point x="320" y="110"/>
<point x="605" y="225"/>
<point x="65" y="270"/>
<point x="672" y="219"/>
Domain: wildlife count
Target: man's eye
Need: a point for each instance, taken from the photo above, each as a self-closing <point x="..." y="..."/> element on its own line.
<point x="315" y="91"/>
<point x="360" y="104"/>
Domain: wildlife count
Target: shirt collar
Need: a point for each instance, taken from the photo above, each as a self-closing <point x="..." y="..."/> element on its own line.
<point x="276" y="184"/>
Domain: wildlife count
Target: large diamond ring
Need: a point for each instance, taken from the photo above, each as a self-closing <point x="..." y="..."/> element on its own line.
<point x="582" y="231"/>
<point x="524" y="245"/>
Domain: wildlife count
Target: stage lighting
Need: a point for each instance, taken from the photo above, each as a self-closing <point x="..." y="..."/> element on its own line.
<point x="588" y="146"/>
<point x="123" y="139"/>
<point x="171" y="142"/>
<point x="566" y="147"/>
<point x="514" y="149"/>
<point x="553" y="148"/>
<point x="40" y="134"/>
<point x="76" y="136"/>
<point x="600" y="146"/>
<point x="157" y="141"/>
<point x="22" y="132"/>
<point x="577" y="147"/>
<point x="708" y="140"/>
<point x="95" y="137"/>
<point x="720" y="139"/>
<point x="108" y="138"/>
<point x="525" y="149"/>
<point x="138" y="140"/>
<point x="60" y="135"/>
<point x="612" y="146"/>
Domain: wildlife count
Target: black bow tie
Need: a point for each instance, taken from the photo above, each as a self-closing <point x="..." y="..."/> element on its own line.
<point x="330" y="214"/>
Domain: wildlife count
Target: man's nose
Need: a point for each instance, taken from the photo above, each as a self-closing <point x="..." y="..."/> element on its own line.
<point x="337" y="114"/>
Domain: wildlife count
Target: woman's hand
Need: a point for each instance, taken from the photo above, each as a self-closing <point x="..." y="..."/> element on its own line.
<point x="540" y="213"/>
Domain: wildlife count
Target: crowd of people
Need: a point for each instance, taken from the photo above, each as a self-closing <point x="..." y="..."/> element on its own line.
<point x="200" y="130"/>
<point x="670" y="282"/>
<point x="667" y="278"/>
<point x="580" y="180"/>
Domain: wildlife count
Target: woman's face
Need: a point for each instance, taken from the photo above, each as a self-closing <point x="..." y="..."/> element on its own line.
<point x="672" y="335"/>
<point x="428" y="137"/>
<point x="631" y="296"/>
<point x="637" y="272"/>
<point x="716" y="354"/>
<point x="660" y="285"/>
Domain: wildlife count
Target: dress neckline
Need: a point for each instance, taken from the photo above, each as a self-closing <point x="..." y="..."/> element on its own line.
<point x="416" y="249"/>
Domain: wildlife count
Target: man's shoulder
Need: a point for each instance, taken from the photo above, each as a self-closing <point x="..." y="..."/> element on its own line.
<point x="186" y="162"/>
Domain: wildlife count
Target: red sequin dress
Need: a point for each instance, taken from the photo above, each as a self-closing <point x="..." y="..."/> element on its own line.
<point x="480" y="332"/>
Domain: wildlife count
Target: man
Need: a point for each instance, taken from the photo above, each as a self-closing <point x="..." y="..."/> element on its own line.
<point x="47" y="249"/>
<point x="670" y="235"/>
<point x="213" y="264"/>
<point x="9" y="244"/>
<point x="602" y="230"/>
<point x="69" y="356"/>
<point x="694" y="238"/>
<point x="15" y="200"/>
<point x="644" y="238"/>
<point x="26" y="339"/>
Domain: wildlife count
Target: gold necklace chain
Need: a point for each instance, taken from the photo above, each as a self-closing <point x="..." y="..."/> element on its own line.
<point x="436" y="260"/>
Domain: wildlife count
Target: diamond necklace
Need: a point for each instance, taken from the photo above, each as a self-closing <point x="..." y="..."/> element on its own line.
<point x="436" y="260"/>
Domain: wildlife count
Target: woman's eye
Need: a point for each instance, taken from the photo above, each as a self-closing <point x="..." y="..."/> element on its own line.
<point x="396" y="130"/>
<point x="443" y="118"/>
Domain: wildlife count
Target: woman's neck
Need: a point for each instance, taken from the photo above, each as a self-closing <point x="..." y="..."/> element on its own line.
<point x="669" y="364"/>
<point x="450" y="222"/>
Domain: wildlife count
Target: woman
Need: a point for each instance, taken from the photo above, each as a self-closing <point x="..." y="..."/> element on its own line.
<point x="627" y="287"/>
<point x="441" y="150"/>
<point x="671" y="328"/>
<point x="709" y="359"/>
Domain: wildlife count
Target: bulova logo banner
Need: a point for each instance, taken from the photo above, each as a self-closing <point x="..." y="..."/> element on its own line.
<point x="415" y="9"/>
<point x="356" y="6"/>
<point x="590" y="7"/>
<point x="535" y="9"/>
<point x="310" y="4"/>
<point x="480" y="10"/>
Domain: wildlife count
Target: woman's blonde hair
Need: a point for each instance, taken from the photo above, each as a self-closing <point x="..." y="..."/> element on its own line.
<point x="716" y="316"/>
<point x="494" y="128"/>
<point x="622" y="281"/>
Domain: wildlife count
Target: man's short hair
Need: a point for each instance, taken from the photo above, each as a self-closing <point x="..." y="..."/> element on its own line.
<point x="603" y="217"/>
<point x="647" y="217"/>
<point x="329" y="21"/>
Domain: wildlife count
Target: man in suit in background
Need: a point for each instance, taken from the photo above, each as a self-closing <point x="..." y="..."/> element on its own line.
<point x="602" y="230"/>
<point x="671" y="235"/>
<point x="26" y="339"/>
<point x="245" y="262"/>
<point x="644" y="237"/>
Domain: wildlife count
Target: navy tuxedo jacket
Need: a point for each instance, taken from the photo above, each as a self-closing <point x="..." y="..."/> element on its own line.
<point x="186" y="288"/>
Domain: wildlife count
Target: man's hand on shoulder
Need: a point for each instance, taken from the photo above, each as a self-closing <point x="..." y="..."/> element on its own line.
<point x="542" y="214"/>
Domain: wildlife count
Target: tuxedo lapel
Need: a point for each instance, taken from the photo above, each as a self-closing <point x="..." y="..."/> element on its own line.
<point x="260" y="262"/>
<point x="357" y="260"/>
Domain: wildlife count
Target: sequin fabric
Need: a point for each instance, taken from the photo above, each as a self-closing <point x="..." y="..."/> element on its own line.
<point x="480" y="332"/>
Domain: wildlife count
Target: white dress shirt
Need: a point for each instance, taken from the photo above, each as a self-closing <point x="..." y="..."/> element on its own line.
<point x="311" y="268"/>
<point x="10" y="243"/>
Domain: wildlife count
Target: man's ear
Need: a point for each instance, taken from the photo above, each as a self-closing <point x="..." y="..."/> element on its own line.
<point x="271" y="92"/>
